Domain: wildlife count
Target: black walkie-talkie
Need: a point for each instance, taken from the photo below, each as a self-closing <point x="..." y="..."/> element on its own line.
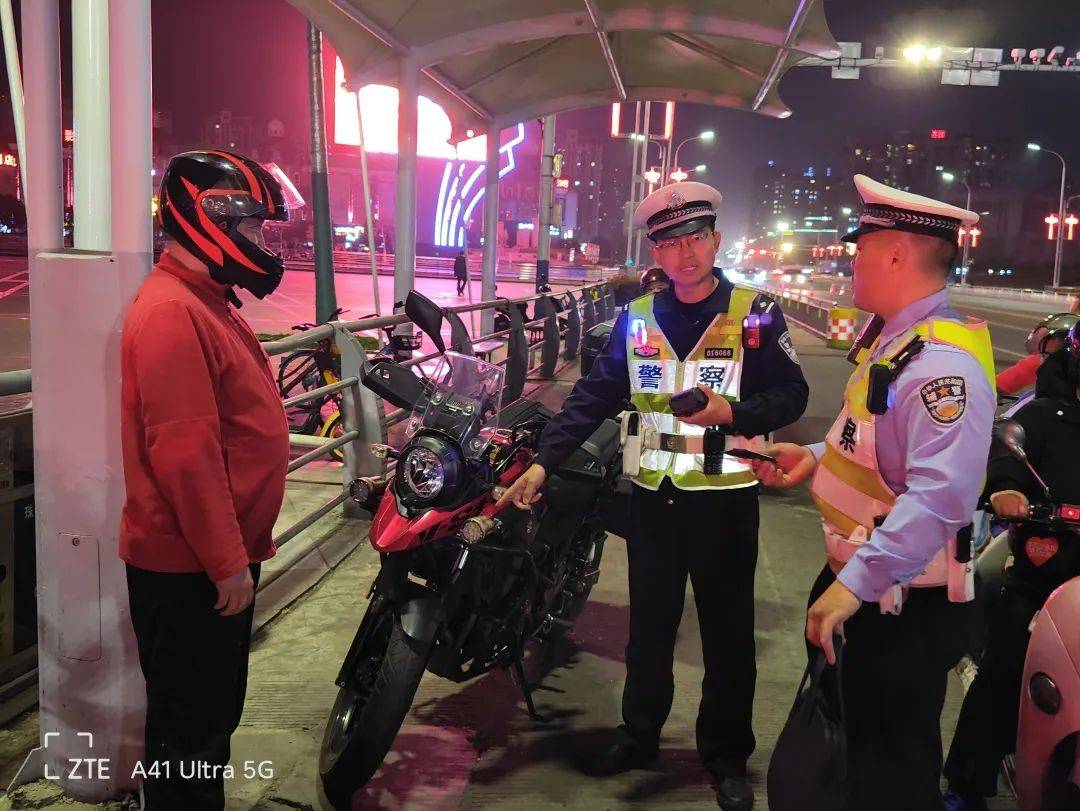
<point x="714" y="443"/>
<point x="877" y="395"/>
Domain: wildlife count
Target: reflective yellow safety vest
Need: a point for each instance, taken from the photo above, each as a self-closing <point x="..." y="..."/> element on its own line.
<point x="848" y="488"/>
<point x="656" y="373"/>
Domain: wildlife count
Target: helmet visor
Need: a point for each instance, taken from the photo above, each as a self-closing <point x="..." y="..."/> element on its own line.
<point x="293" y="200"/>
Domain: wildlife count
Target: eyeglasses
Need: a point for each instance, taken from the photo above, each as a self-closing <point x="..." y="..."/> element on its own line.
<point x="695" y="240"/>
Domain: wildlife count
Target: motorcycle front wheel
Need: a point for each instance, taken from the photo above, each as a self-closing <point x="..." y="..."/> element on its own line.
<point x="370" y="709"/>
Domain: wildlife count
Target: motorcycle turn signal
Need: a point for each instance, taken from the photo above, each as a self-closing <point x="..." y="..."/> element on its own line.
<point x="384" y="452"/>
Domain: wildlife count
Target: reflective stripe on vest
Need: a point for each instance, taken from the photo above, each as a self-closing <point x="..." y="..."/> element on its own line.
<point x="656" y="373"/>
<point x="848" y="488"/>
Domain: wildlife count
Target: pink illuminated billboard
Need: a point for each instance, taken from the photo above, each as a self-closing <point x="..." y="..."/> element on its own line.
<point x="451" y="178"/>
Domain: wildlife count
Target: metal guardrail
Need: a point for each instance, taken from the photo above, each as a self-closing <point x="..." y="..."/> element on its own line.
<point x="17" y="382"/>
<point x="364" y="419"/>
<point x="809" y="311"/>
<point x="1063" y="295"/>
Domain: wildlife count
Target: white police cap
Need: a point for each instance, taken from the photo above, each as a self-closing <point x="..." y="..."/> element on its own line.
<point x="676" y="209"/>
<point x="887" y="208"/>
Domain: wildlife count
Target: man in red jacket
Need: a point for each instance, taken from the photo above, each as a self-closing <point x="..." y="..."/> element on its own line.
<point x="1045" y="339"/>
<point x="205" y="446"/>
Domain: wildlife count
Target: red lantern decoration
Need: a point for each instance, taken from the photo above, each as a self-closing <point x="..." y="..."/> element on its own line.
<point x="1050" y="221"/>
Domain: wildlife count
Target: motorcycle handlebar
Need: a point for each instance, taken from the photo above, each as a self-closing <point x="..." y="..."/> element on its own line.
<point x="1043" y="513"/>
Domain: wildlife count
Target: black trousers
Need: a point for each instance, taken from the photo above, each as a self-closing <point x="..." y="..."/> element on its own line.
<point x="986" y="729"/>
<point x="712" y="536"/>
<point x="461" y="280"/>
<point x="894" y="679"/>
<point x="195" y="665"/>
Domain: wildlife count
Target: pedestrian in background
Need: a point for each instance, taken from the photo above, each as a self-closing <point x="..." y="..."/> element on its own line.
<point x="461" y="271"/>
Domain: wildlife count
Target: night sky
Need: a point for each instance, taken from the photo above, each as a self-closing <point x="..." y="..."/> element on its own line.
<point x="250" y="56"/>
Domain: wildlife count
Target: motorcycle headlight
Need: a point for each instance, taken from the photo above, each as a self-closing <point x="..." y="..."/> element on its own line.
<point x="423" y="471"/>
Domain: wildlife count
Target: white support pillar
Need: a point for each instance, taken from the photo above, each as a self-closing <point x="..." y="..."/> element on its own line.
<point x="634" y="175"/>
<point x="491" y="227"/>
<point x="44" y="127"/>
<point x="15" y="87"/>
<point x="644" y="166"/>
<point x="91" y="689"/>
<point x="90" y="114"/>
<point x="369" y="223"/>
<point x="405" y="205"/>
<point x="547" y="182"/>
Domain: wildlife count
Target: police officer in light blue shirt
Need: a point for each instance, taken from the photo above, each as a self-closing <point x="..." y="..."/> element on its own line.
<point x="897" y="481"/>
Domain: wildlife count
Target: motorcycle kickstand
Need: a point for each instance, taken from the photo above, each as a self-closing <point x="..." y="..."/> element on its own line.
<point x="519" y="671"/>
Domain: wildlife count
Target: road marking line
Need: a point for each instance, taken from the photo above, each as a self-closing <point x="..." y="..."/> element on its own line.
<point x="998" y="349"/>
<point x="5" y="293"/>
<point x="1025" y="319"/>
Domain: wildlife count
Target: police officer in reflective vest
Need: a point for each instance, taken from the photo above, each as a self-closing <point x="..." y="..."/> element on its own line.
<point x="693" y="513"/>
<point x="897" y="481"/>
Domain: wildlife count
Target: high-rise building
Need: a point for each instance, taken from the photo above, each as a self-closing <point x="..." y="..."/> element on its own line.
<point x="582" y="164"/>
<point x="797" y="207"/>
<point x="914" y="161"/>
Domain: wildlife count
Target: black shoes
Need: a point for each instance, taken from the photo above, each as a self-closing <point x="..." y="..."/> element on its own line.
<point x="734" y="793"/>
<point x="622" y="756"/>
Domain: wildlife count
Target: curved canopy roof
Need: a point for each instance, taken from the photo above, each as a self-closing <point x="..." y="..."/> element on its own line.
<point x="498" y="61"/>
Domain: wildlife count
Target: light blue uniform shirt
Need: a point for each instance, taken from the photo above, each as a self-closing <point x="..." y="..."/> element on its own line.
<point x="937" y="469"/>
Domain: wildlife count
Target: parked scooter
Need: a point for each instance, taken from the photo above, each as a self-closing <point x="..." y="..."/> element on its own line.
<point x="1047" y="760"/>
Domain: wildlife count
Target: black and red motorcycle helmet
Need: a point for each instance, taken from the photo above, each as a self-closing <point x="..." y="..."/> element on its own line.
<point x="1056" y="326"/>
<point x="204" y="197"/>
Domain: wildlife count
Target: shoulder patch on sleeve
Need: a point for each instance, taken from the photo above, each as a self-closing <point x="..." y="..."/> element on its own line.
<point x="945" y="399"/>
<point x="788" y="347"/>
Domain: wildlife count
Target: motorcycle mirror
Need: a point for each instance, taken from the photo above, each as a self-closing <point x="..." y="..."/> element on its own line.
<point x="1010" y="434"/>
<point x="396" y="384"/>
<point x="427" y="315"/>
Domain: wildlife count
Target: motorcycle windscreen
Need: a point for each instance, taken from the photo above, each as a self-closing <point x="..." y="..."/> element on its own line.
<point x="466" y="398"/>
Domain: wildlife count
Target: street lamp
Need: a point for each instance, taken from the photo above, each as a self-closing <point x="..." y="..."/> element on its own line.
<point x="915" y="54"/>
<point x="660" y="146"/>
<point x="949" y="177"/>
<point x="701" y="167"/>
<point x="707" y="135"/>
<point x="1061" y="211"/>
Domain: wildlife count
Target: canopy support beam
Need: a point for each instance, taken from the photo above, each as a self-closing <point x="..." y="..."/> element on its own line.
<point x="605" y="46"/>
<point x="777" y="68"/>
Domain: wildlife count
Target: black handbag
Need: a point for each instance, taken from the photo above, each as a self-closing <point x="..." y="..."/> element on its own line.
<point x="808" y="768"/>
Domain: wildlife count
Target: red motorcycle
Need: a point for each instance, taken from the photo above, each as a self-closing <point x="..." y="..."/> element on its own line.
<point x="464" y="585"/>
